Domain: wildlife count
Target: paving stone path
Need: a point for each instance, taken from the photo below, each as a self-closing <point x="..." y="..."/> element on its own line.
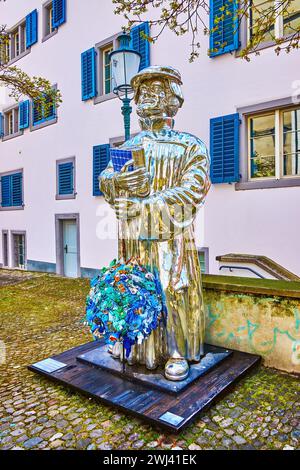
<point x="41" y="316"/>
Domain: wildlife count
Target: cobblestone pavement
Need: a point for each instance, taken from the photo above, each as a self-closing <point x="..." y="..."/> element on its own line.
<point x="41" y="316"/>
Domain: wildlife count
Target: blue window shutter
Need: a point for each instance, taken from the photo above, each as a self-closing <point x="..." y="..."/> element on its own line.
<point x="100" y="162"/>
<point x="12" y="190"/>
<point x="31" y="28"/>
<point x="24" y="114"/>
<point x="37" y="113"/>
<point x="6" y="191"/>
<point x="50" y="112"/>
<point x="140" y="44"/>
<point x="1" y="125"/>
<point x="226" y="37"/>
<point x="65" y="178"/>
<point x="88" y="74"/>
<point x="224" y="148"/>
<point x="40" y="114"/>
<point x="17" y="191"/>
<point x="59" y="13"/>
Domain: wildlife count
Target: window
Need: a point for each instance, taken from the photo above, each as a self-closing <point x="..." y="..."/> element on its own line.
<point x="16" y="39"/>
<point x="291" y="142"/>
<point x="4" y="49"/>
<point x="12" y="190"/>
<point x="262" y="146"/>
<point x="7" y="53"/>
<point x="106" y="72"/>
<point x="274" y="144"/>
<point x="286" y="18"/>
<point x="103" y="68"/>
<point x="65" y="177"/>
<point x="48" y="20"/>
<point x="21" y="37"/>
<point x="16" y="46"/>
<point x="11" y="123"/>
<point x="291" y="18"/>
<point x="54" y="15"/>
<point x="18" y="250"/>
<point x="96" y="68"/>
<point x="43" y="114"/>
<point x="258" y="10"/>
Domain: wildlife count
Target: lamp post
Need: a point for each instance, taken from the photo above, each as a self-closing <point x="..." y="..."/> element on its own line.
<point x="125" y="63"/>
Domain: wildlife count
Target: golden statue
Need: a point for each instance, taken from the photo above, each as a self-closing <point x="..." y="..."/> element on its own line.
<point x="156" y="205"/>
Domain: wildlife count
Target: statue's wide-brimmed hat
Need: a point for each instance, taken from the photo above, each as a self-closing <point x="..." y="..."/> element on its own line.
<point x="159" y="71"/>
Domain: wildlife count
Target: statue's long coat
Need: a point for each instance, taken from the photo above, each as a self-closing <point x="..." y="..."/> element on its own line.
<point x="162" y="237"/>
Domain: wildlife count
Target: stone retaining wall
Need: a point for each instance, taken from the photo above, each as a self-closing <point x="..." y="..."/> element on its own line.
<point x="256" y="316"/>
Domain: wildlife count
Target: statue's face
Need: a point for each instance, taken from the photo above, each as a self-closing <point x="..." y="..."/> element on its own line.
<point x="156" y="99"/>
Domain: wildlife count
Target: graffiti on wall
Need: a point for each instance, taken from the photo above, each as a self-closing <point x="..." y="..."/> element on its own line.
<point x="262" y="337"/>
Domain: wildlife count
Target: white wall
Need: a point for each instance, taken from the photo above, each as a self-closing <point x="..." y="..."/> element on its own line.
<point x="256" y="222"/>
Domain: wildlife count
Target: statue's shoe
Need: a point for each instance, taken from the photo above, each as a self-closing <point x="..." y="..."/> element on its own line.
<point x="176" y="369"/>
<point x="117" y="350"/>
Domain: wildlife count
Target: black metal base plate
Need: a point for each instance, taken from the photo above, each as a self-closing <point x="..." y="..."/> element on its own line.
<point x="99" y="357"/>
<point x="161" y="408"/>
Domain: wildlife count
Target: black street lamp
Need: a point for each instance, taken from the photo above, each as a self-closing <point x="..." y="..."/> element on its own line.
<point x="125" y="63"/>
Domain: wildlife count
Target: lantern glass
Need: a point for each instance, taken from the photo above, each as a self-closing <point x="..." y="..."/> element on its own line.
<point x="124" y="65"/>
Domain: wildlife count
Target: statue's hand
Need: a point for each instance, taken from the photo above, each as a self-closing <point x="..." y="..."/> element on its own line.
<point x="127" y="208"/>
<point x="136" y="182"/>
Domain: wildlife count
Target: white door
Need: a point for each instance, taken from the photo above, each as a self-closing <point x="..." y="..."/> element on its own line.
<point x="70" y="248"/>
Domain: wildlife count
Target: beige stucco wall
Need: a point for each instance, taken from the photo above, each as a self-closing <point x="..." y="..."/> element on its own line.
<point x="268" y="326"/>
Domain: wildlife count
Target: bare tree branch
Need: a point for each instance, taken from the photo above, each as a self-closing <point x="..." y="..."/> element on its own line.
<point x="19" y="83"/>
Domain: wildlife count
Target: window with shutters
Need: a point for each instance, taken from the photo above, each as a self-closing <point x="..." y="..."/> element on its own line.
<point x="103" y="89"/>
<point x="11" y="190"/>
<point x="16" y="44"/>
<point x="11" y="126"/>
<point x="21" y="37"/>
<point x="54" y="15"/>
<point x="65" y="178"/>
<point x="43" y="114"/>
<point x="48" y="28"/>
<point x="274" y="144"/>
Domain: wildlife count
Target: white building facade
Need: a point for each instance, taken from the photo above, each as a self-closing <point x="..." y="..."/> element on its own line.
<point x="52" y="217"/>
